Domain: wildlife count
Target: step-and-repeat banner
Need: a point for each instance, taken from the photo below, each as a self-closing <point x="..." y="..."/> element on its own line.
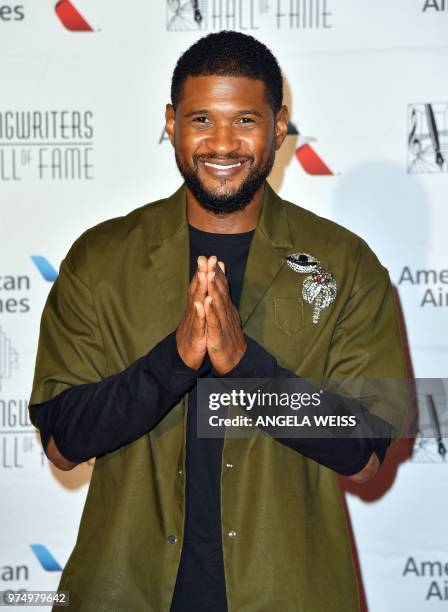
<point x="84" y="85"/>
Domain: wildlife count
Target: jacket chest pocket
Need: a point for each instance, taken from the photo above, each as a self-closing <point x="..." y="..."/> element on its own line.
<point x="288" y="314"/>
<point x="278" y="325"/>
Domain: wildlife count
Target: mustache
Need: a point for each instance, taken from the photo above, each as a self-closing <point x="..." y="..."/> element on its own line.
<point x="234" y="157"/>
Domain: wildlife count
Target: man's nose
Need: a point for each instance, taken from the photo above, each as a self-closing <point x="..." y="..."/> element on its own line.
<point x="223" y="140"/>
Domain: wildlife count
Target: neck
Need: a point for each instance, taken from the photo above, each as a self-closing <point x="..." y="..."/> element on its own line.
<point x="232" y="223"/>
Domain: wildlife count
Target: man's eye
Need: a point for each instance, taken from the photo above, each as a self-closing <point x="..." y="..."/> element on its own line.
<point x="246" y="120"/>
<point x="201" y="119"/>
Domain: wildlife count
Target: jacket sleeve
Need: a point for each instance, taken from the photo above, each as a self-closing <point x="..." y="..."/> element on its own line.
<point x="87" y="412"/>
<point x="346" y="454"/>
<point x="367" y="356"/>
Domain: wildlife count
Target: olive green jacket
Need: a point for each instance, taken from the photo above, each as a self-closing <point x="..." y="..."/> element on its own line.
<point x="121" y="289"/>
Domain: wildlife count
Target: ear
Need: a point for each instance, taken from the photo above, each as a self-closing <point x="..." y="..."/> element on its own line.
<point x="170" y="120"/>
<point x="281" y="126"/>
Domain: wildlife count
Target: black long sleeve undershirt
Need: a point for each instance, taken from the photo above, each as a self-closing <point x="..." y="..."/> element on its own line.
<point x="96" y="418"/>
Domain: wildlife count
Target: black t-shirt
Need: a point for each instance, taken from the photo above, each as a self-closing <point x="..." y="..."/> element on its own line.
<point x="200" y="584"/>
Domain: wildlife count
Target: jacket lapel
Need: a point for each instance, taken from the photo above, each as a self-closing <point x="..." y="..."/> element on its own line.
<point x="270" y="243"/>
<point x="169" y="251"/>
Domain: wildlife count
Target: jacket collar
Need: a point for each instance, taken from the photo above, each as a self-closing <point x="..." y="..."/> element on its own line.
<point x="168" y="242"/>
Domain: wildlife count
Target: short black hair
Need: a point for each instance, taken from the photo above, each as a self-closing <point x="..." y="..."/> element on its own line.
<point x="229" y="53"/>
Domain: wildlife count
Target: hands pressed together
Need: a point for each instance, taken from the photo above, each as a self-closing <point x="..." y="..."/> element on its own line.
<point x="211" y="323"/>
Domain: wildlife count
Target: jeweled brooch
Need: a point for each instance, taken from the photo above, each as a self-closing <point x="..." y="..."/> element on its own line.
<point x="319" y="288"/>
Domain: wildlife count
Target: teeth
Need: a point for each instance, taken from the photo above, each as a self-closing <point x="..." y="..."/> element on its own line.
<point x="222" y="166"/>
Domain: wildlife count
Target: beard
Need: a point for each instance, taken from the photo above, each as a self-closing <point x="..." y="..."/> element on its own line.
<point x="229" y="201"/>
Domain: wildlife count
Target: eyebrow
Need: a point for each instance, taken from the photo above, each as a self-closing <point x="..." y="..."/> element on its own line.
<point x="250" y="111"/>
<point x="204" y="111"/>
<point x="201" y="111"/>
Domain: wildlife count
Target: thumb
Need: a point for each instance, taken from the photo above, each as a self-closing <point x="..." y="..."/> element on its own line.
<point x="199" y="319"/>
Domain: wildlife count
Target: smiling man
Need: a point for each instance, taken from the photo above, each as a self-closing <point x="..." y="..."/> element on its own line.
<point x="205" y="284"/>
<point x="225" y="169"/>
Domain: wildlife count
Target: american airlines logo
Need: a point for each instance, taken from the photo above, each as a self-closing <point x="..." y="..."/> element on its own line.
<point x="45" y="268"/>
<point x="306" y="155"/>
<point x="70" y="17"/>
<point x="45" y="558"/>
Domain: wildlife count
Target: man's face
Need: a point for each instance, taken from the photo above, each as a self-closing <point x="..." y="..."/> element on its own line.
<point x="224" y="134"/>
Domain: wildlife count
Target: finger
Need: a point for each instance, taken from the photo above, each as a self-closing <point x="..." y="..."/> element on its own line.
<point x="195" y="281"/>
<point x="219" y="269"/>
<point x="215" y="291"/>
<point x="212" y="263"/>
<point x="213" y="322"/>
<point x="201" y="287"/>
<point x="199" y="320"/>
<point x="202" y="262"/>
<point x="199" y="310"/>
<point x="193" y="285"/>
<point x="222" y="283"/>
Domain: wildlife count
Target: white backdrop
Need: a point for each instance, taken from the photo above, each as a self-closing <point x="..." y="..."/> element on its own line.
<point x="81" y="140"/>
